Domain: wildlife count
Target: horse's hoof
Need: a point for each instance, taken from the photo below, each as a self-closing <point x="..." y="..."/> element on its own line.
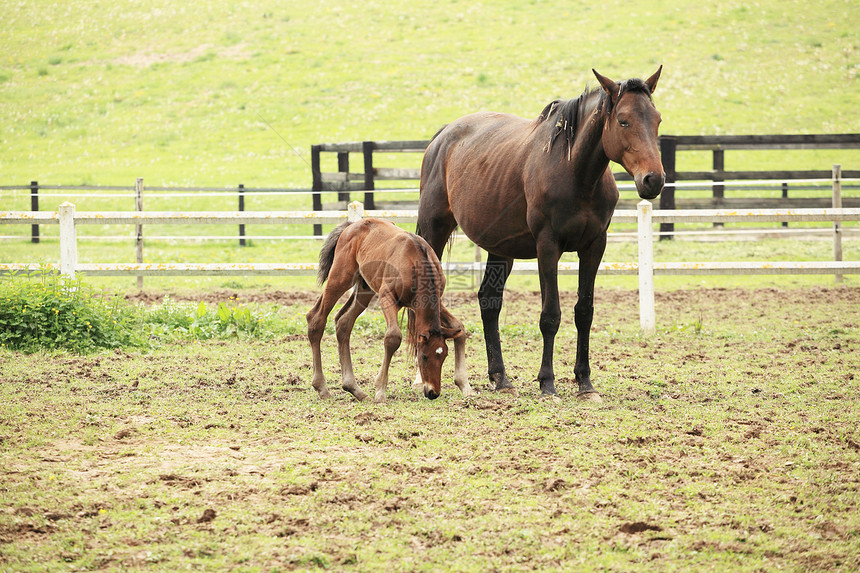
<point x="551" y="397"/>
<point x="589" y="397"/>
<point x="510" y="390"/>
<point x="324" y="394"/>
<point x="359" y="395"/>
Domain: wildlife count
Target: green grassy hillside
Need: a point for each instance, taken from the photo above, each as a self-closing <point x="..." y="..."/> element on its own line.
<point x="218" y="93"/>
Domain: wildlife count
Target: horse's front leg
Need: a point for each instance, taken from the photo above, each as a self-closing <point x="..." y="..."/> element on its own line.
<point x="550" y="316"/>
<point x="589" y="261"/>
<point x="461" y="375"/>
<point x="344" y="322"/>
<point x="393" y="338"/>
<point x="457" y="331"/>
<point x="490" y="297"/>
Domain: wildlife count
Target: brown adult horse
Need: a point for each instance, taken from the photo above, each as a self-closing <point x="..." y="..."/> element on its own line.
<point x="375" y="256"/>
<point x="522" y="189"/>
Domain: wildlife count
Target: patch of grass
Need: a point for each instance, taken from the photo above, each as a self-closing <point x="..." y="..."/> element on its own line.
<point x="735" y="450"/>
<point x="296" y="68"/>
<point x="46" y="311"/>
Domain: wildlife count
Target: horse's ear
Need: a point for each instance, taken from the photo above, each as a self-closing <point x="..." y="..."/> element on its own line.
<point x="652" y="81"/>
<point x="448" y="332"/>
<point x="610" y="86"/>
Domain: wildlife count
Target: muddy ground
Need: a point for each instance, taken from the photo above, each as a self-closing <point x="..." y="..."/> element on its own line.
<point x="728" y="440"/>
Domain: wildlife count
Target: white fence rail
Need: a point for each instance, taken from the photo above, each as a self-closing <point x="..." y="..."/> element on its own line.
<point x="645" y="217"/>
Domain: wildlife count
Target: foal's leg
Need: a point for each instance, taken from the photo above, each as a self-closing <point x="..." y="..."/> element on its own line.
<point x="490" y="299"/>
<point x="589" y="261"/>
<point x="461" y="376"/>
<point x="550" y="316"/>
<point x="316" y="318"/>
<point x="339" y="281"/>
<point x="393" y="338"/>
<point x="344" y="322"/>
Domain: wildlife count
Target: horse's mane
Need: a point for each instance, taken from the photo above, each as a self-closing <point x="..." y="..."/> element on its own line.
<point x="567" y="114"/>
<point x="425" y="274"/>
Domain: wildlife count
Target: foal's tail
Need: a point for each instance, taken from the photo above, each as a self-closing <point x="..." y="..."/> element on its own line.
<point x="327" y="252"/>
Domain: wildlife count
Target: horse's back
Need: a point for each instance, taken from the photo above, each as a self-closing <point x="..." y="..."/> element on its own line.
<point x="473" y="172"/>
<point x="387" y="255"/>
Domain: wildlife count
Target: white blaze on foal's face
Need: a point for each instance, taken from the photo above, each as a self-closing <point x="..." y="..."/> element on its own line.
<point x="432" y="352"/>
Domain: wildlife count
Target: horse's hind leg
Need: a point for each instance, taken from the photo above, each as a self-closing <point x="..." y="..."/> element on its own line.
<point x="344" y="322"/>
<point x="393" y="338"/>
<point x="316" y="318"/>
<point x="490" y="298"/>
<point x="338" y="283"/>
<point x="435" y="220"/>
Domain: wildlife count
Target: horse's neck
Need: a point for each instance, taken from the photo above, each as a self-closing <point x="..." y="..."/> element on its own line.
<point x="427" y="312"/>
<point x="588" y="159"/>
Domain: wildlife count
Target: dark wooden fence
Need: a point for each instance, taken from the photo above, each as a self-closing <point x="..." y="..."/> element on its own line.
<point x="344" y="180"/>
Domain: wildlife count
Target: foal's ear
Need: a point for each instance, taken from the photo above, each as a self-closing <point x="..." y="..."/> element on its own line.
<point x="610" y="86"/>
<point x="448" y="332"/>
<point x="652" y="81"/>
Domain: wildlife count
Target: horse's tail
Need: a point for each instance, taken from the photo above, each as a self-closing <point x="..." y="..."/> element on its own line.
<point x="327" y="252"/>
<point x="435" y="135"/>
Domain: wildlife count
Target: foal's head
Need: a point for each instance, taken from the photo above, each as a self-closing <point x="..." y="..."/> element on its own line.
<point x="630" y="131"/>
<point x="430" y="352"/>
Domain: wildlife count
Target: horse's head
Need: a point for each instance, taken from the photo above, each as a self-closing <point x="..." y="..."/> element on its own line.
<point x="630" y="131"/>
<point x="431" y="350"/>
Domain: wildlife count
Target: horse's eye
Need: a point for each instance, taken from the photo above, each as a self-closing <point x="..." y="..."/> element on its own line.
<point x="424" y="357"/>
<point x="623" y="123"/>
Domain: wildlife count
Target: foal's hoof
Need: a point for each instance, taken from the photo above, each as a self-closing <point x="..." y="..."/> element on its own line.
<point x="589" y="397"/>
<point x="554" y="398"/>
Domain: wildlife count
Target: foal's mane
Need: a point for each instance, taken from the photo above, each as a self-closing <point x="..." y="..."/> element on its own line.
<point x="567" y="115"/>
<point x="423" y="273"/>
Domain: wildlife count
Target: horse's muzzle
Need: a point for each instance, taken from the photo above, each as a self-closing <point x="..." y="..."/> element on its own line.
<point x="430" y="393"/>
<point x="650" y="184"/>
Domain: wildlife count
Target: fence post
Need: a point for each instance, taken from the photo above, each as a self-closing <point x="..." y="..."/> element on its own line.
<point x="34" y="206"/>
<point x="354" y="212"/>
<point x="837" y="227"/>
<point x="138" y="205"/>
<point x="316" y="185"/>
<point x="68" y="240"/>
<point x="647" y="319"/>
<point x="476" y="268"/>
<point x="343" y="167"/>
<point x="785" y="196"/>
<point x="367" y="150"/>
<point x="668" y="146"/>
<point x="719" y="190"/>
<point x="241" y="208"/>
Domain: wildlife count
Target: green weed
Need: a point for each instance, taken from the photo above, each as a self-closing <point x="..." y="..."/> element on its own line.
<point x="44" y="311"/>
<point x="183" y="321"/>
<point x="41" y="310"/>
